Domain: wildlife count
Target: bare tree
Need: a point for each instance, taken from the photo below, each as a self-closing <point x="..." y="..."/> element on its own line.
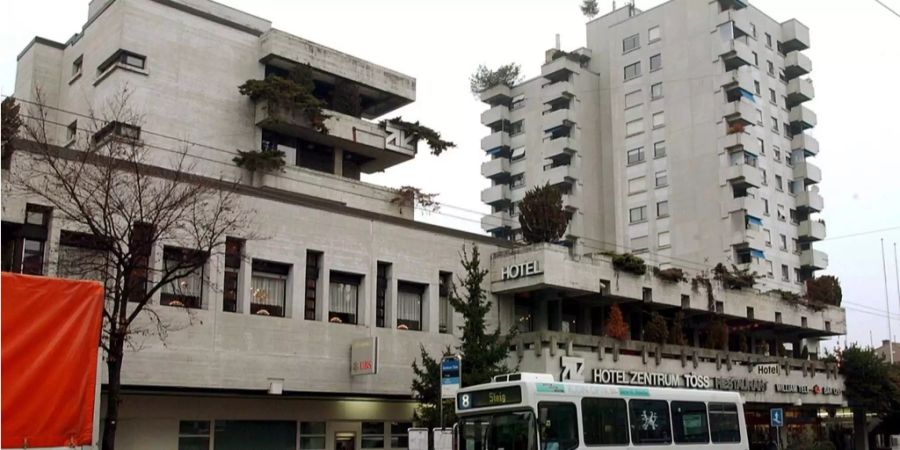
<point x="122" y="198"/>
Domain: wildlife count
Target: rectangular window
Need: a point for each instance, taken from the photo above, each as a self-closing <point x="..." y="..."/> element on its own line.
<point x="118" y="131"/>
<point x="193" y="435"/>
<point x="662" y="178"/>
<point x="765" y="206"/>
<point x="517" y="181"/>
<point x="659" y="149"/>
<point x="632" y="99"/>
<point x="372" y="435"/>
<point x="517" y="128"/>
<point x="517" y="102"/>
<point x="123" y="57"/>
<point x="689" y="423"/>
<point x="653" y="34"/>
<point x="344" y="298"/>
<point x="185" y="266"/>
<point x="638" y="244"/>
<point x="662" y="208"/>
<point x="655" y="62"/>
<point x="644" y="430"/>
<point x="785" y="273"/>
<point x="400" y="434"/>
<point x="779" y="183"/>
<point x="231" y="434"/>
<point x="656" y="91"/>
<point x="409" y="306"/>
<point x="776" y="153"/>
<point x="780" y="212"/>
<point x="790" y="188"/>
<point x="312" y="435"/>
<point x="632" y="71"/>
<point x="723" y="422"/>
<point x="234" y="249"/>
<point x="755" y="59"/>
<point x="774" y="124"/>
<point x="638" y="214"/>
<point x="313" y="263"/>
<point x="798" y="280"/>
<point x="770" y="67"/>
<point x="795" y="245"/>
<point x="446" y="310"/>
<point x="634" y="127"/>
<point x="659" y="119"/>
<point x="605" y="421"/>
<point x="517" y="153"/>
<point x="142" y="236"/>
<point x="767" y="233"/>
<point x="82" y="256"/>
<point x="636" y="185"/>
<point x="765" y="177"/>
<point x="77" y="66"/>
<point x="268" y="288"/>
<point x="631" y="42"/>
<point x="381" y="291"/>
<point x="768" y="40"/>
<point x="753" y="30"/>
<point x="762" y="146"/>
<point x="524" y="313"/>
<point x="756" y="87"/>
<point x="772" y="97"/>
<point x="770" y="271"/>
<point x="663" y="239"/>
<point x="559" y="423"/>
<point x="635" y="155"/>
<point x="782" y="243"/>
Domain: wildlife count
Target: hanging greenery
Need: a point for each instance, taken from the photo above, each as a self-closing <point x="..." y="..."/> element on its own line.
<point x="410" y="196"/>
<point x="735" y="278"/>
<point x="582" y="60"/>
<point x="702" y="280"/>
<point x="419" y="132"/>
<point x="630" y="263"/>
<point x="484" y="78"/>
<point x="346" y="98"/>
<point x="542" y="216"/>
<point x="671" y="274"/>
<point x="294" y="92"/>
<point x="271" y="160"/>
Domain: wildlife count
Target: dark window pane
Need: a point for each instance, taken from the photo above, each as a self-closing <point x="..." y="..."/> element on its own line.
<point x="312" y="428"/>
<point x="255" y="434"/>
<point x="650" y="422"/>
<point x="372" y="442"/>
<point x="193" y="443"/>
<point x="312" y="443"/>
<point x="723" y="422"/>
<point x="689" y="422"/>
<point x="193" y="427"/>
<point x="373" y="428"/>
<point x="604" y="421"/>
<point x="558" y="424"/>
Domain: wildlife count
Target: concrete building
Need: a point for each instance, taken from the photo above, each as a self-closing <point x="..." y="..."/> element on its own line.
<point x="680" y="133"/>
<point x="887" y="347"/>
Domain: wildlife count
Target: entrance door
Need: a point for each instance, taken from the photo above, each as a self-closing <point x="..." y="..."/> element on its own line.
<point x="344" y="441"/>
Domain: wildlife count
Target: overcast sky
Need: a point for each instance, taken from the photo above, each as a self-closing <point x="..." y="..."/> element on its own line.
<point x="856" y="71"/>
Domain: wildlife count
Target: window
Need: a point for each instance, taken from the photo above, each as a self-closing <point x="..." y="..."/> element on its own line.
<point x="632" y="99"/>
<point x="372" y="435"/>
<point x="123" y="58"/>
<point x="400" y="434"/>
<point x="280" y="434"/>
<point x="774" y="124"/>
<point x="780" y="212"/>
<point x="604" y="421"/>
<point x="768" y="40"/>
<point x="785" y="273"/>
<point x="723" y="422"/>
<point x="409" y="306"/>
<point x="759" y="117"/>
<point x="779" y="183"/>
<point x="524" y="313"/>
<point x="632" y="71"/>
<point x="762" y="146"/>
<point x="634" y="127"/>
<point x="659" y="119"/>
<point x="631" y="42"/>
<point x="770" y="271"/>
<point x="655" y="62"/>
<point x="344" y="298"/>
<point x="268" y="288"/>
<point x="72" y="131"/>
<point x="381" y="288"/>
<point x="517" y="153"/>
<point x="662" y="208"/>
<point x="187" y="266"/>
<point x="663" y="239"/>
<point x="77" y="66"/>
<point x="656" y="91"/>
<point x="753" y="30"/>
<point x="790" y="189"/>
<point x="644" y="429"/>
<point x="777" y="317"/>
<point x="635" y="155"/>
<point x="756" y="87"/>
<point x="313" y="263"/>
<point x="767" y="233"/>
<point x="233" y="260"/>
<point x="653" y="34"/>
<point x="770" y="68"/>
<point x="755" y="59"/>
<point x="662" y="178"/>
<point x="782" y="242"/>
<point x="776" y="153"/>
<point x="446" y="310"/>
<point x="798" y="281"/>
<point x="636" y="185"/>
<point x="795" y="245"/>
<point x="116" y="130"/>
<point x="765" y="177"/>
<point x="517" y="181"/>
<point x="559" y="425"/>
<point x="772" y="97"/>
<point x="517" y="128"/>
<point x="638" y="244"/>
<point x="193" y="435"/>
<point x="765" y="206"/>
<point x="312" y="435"/>
<point x="659" y="149"/>
<point x="689" y="423"/>
<point x="517" y="102"/>
<point x="82" y="256"/>
<point x="638" y="214"/>
<point x="142" y="241"/>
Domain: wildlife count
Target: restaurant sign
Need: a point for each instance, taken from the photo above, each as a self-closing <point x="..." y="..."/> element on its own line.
<point x="677" y="380"/>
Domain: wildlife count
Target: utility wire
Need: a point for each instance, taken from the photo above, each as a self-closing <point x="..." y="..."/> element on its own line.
<point x="887" y="8"/>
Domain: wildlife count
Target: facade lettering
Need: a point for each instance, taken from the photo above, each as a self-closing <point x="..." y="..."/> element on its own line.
<point x="513" y="271"/>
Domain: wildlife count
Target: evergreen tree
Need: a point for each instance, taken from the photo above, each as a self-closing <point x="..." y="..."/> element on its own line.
<point x="657" y="330"/>
<point x="589" y="8"/>
<point x="542" y="217"/>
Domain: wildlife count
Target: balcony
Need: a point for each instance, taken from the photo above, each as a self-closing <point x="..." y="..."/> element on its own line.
<point x="560" y="118"/>
<point x="495" y="194"/>
<point x="559" y="148"/>
<point x="801" y="118"/>
<point x="494" y="143"/>
<point x="813" y="259"/>
<point x="741" y="78"/>
<point x="808" y="144"/>
<point x="497" y="168"/>
<point x="495" y="115"/>
<point x="560" y="69"/>
<point x="575" y="229"/>
<point x="751" y="205"/>
<point x="735" y="142"/>
<point x="810" y="201"/>
<point x="811" y="230"/>
<point x="794" y="36"/>
<point x="799" y="90"/>
<point x="559" y="175"/>
<point x="732" y="4"/>
<point x="383" y="147"/>
<point x="742" y="111"/>
<point x="562" y="91"/>
<point x="739" y="19"/>
<point x="808" y="172"/>
<point x="735" y="54"/>
<point x="497" y="221"/>
<point x="796" y="64"/>
<point x="743" y="176"/>
<point x="499" y="94"/>
<point x="571" y="202"/>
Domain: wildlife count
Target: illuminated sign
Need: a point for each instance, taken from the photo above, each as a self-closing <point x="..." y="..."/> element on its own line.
<point x="513" y="271"/>
<point x="364" y="356"/>
<point x="511" y="395"/>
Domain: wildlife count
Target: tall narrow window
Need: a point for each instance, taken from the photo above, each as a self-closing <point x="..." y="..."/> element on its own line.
<point x="344" y="298"/>
<point x="313" y="261"/>
<point x="268" y="293"/>
<point x="185" y="266"/>
<point x="193" y="434"/>
<point x="381" y="291"/>
<point x="659" y="149"/>
<point x="77" y="66"/>
<point x="372" y="435"/>
<point x="141" y="243"/>
<point x="632" y="71"/>
<point x="655" y="62"/>
<point x="409" y="306"/>
<point x="82" y="256"/>
<point x="234" y="249"/>
<point x="656" y="91"/>
<point x="312" y="435"/>
<point x="446" y="310"/>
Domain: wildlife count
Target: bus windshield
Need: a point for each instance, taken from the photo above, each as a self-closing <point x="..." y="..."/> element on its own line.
<point x="514" y="430"/>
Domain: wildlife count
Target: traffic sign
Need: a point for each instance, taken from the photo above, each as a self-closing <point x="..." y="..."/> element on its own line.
<point x="451" y="376"/>
<point x="776" y="417"/>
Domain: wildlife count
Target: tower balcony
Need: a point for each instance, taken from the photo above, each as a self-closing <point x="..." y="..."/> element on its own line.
<point x="496" y="221"/>
<point x="794" y="36"/>
<point x="750" y="205"/>
<point x="561" y="91"/>
<point x="742" y="111"/>
<point x="495" y="95"/>
<point x="808" y="172"/>
<point x="571" y="202"/>
<point x="739" y="141"/>
<point x="495" y="194"/>
<point x="799" y="90"/>
<point x="796" y="64"/>
<point x="497" y="168"/>
<point x="811" y="230"/>
<point x="741" y="78"/>
<point x="801" y="118"/>
<point x="735" y="54"/>
<point x="559" y="148"/>
<point x="560" y="69"/>
<point x="743" y="176"/>
<point x="560" y="175"/>
<point x="495" y="115"/>
<point x="813" y="259"/>
<point x="495" y="142"/>
<point x="806" y="143"/>
<point x="560" y="118"/>
<point x="810" y="201"/>
<point x="739" y="19"/>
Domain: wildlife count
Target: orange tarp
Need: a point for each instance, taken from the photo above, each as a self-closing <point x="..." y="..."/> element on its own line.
<point x="50" y="336"/>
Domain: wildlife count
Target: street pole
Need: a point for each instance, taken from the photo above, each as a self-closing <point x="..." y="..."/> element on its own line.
<point x="897" y="279"/>
<point x="887" y="304"/>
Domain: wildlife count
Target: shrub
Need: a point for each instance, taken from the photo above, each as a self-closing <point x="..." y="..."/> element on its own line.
<point x="484" y="78"/>
<point x="735" y="278"/>
<point x="656" y="330"/>
<point x="582" y="60"/>
<point x="630" y="263"/>
<point x="717" y="335"/>
<point x="294" y="92"/>
<point x="825" y="289"/>
<point x="542" y="216"/>
<point x="616" y="327"/>
<point x="271" y="160"/>
<point x="671" y="274"/>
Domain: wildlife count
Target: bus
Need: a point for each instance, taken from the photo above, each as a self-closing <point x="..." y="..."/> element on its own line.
<point x="533" y="412"/>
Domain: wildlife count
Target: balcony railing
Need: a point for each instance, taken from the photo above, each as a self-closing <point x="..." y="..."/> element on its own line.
<point x="495" y="194"/>
<point x="810" y="201"/>
<point x="806" y="143"/>
<point x="495" y="115"/>
<point x="495" y="142"/>
<point x="801" y="118"/>
<point x="496" y="95"/>
<point x="794" y="36"/>
<point x="743" y="176"/>
<point x="561" y="118"/>
<point x="560" y="68"/>
<point x="813" y="259"/>
<point x="496" y="221"/>
<point x="495" y="168"/>
<point x="559" y="148"/>
<point x="811" y="230"/>
<point x="796" y="64"/>
<point x="740" y="112"/>
<point x="560" y="175"/>
<point x="799" y="90"/>
<point x="808" y="172"/>
<point x="735" y="53"/>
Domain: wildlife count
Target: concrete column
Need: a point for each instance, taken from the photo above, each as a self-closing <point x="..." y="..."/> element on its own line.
<point x="339" y="162"/>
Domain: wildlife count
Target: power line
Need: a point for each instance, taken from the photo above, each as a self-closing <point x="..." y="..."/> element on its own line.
<point x="887" y="8"/>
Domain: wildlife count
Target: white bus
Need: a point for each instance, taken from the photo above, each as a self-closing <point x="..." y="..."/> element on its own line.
<point x="532" y="412"/>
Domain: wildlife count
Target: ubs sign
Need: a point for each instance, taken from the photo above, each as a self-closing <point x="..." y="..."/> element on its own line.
<point x="526" y="269"/>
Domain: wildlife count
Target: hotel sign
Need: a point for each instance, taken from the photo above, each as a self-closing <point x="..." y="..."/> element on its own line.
<point x="677" y="380"/>
<point x="521" y="270"/>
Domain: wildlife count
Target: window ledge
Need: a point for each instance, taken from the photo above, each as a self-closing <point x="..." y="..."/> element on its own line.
<point x="75" y="77"/>
<point x="631" y="50"/>
<point x="122" y="66"/>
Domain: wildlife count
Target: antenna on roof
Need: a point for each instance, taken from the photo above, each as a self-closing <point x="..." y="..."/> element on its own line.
<point x="557" y="41"/>
<point x="614" y="5"/>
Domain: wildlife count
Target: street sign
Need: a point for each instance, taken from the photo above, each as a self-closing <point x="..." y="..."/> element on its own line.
<point x="776" y="417"/>
<point x="451" y="376"/>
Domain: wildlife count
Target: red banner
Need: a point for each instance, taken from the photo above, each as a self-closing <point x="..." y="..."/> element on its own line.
<point x="50" y="337"/>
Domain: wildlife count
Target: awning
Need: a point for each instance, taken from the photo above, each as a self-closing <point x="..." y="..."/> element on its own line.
<point x="747" y="94"/>
<point x="754" y="253"/>
<point x="752" y="220"/>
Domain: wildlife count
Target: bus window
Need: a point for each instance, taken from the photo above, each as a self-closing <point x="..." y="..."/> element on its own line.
<point x="501" y="431"/>
<point x="650" y="422"/>
<point x="723" y="422"/>
<point x="558" y="425"/>
<point x="605" y="421"/>
<point x="689" y="423"/>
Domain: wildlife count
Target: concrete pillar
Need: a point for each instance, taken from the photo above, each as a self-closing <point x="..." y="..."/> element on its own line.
<point x="338" y="162"/>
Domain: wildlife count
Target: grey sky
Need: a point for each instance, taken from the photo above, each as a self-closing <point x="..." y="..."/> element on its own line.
<point x="856" y="62"/>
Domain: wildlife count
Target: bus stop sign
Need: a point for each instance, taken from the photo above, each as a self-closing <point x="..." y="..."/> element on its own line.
<point x="776" y="417"/>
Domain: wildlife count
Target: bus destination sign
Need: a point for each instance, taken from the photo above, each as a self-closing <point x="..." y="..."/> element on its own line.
<point x="511" y="395"/>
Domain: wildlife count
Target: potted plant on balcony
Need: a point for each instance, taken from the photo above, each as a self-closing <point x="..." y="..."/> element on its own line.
<point x="542" y="216"/>
<point x="294" y="92"/>
<point x="484" y="78"/>
<point x="825" y="289"/>
<point x="670" y="274"/>
<point x="630" y="263"/>
<point x="417" y="132"/>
